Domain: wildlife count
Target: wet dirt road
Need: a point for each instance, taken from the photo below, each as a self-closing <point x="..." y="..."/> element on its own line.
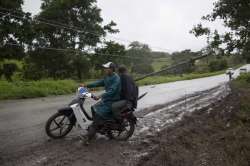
<point x="23" y="140"/>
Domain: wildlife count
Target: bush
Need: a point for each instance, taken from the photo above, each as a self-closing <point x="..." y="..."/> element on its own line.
<point x="242" y="82"/>
<point x="218" y="65"/>
<point x="8" y="70"/>
<point x="142" y="69"/>
<point x="30" y="69"/>
<point x="244" y="77"/>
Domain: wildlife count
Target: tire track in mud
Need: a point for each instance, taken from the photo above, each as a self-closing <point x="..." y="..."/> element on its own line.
<point x="172" y="112"/>
<point x="70" y="150"/>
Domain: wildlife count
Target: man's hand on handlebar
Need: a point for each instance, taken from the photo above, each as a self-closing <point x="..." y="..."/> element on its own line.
<point x="93" y="96"/>
<point x="96" y="97"/>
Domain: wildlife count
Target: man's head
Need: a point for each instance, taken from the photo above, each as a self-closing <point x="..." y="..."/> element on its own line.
<point x="109" y="68"/>
<point x="122" y="69"/>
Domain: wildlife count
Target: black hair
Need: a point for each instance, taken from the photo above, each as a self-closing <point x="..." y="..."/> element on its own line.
<point x="112" y="66"/>
<point x="122" y="69"/>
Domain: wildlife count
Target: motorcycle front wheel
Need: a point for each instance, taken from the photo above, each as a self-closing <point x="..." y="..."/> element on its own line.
<point x="58" y="126"/>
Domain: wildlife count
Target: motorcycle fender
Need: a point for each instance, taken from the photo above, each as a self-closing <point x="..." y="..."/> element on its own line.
<point x="133" y="118"/>
<point x="68" y="111"/>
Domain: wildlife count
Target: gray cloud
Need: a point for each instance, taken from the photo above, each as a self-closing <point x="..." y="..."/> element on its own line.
<point x="159" y="23"/>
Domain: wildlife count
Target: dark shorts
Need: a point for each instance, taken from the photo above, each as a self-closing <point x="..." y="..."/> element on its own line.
<point x="103" y="109"/>
<point x="120" y="106"/>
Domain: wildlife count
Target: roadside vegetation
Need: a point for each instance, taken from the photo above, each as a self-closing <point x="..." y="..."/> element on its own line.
<point x="242" y="87"/>
<point x="31" y="89"/>
<point x="43" y="88"/>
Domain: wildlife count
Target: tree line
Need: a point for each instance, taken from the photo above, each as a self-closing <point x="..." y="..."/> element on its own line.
<point x="67" y="39"/>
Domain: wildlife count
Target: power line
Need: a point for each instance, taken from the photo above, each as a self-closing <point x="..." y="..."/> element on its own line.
<point x="59" y="49"/>
<point x="61" y="25"/>
<point x="171" y="67"/>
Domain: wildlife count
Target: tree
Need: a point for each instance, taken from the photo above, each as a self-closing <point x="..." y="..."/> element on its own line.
<point x="139" y="46"/>
<point x="49" y="64"/>
<point x="81" y="66"/>
<point x="141" y="58"/>
<point x="184" y="55"/>
<point x="235" y="15"/>
<point x="218" y="65"/>
<point x="111" y="51"/>
<point x="15" y="29"/>
<point x="75" y="25"/>
<point x="79" y="27"/>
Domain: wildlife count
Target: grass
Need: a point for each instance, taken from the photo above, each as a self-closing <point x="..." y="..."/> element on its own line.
<point x="242" y="85"/>
<point x="171" y="78"/>
<point x="160" y="63"/>
<point x="243" y="81"/>
<point x="31" y="89"/>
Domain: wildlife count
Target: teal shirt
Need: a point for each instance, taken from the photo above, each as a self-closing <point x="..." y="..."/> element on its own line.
<point x="112" y="85"/>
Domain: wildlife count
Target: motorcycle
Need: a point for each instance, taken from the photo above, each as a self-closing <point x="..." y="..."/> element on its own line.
<point x="62" y="122"/>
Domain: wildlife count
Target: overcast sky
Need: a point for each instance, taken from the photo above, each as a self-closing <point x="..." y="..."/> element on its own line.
<point x="159" y="23"/>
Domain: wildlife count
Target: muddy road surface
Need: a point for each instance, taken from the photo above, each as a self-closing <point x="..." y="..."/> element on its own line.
<point x="217" y="135"/>
<point x="24" y="142"/>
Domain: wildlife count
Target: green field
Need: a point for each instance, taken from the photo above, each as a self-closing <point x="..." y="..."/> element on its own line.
<point x="161" y="62"/>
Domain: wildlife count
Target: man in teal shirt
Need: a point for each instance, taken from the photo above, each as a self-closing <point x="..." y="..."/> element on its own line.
<point x="103" y="109"/>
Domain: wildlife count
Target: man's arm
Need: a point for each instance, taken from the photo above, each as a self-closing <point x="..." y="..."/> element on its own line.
<point x="98" y="83"/>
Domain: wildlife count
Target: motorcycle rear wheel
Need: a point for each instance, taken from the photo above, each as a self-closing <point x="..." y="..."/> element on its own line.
<point x="123" y="135"/>
<point x="58" y="126"/>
